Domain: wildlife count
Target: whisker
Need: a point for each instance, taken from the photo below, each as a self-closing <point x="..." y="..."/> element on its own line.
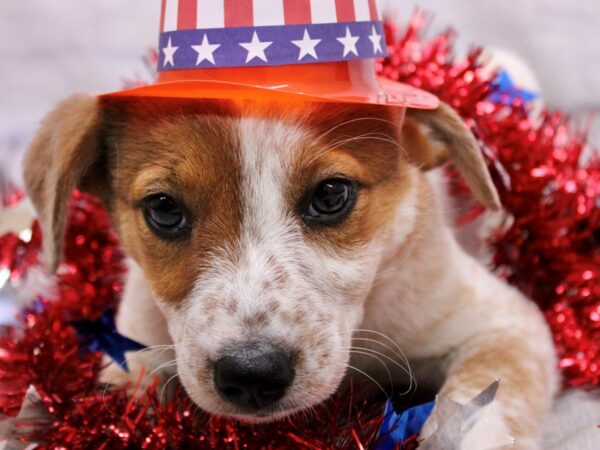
<point x="366" y="137"/>
<point x="357" y="119"/>
<point x="384" y="336"/>
<point x="164" y="348"/>
<point x="405" y="367"/>
<point x="364" y="350"/>
<point x="172" y="363"/>
<point x="395" y="344"/>
<point x="162" y="391"/>
<point x="359" y="351"/>
<point x="318" y="139"/>
<point x="164" y="365"/>
<point x="383" y="344"/>
<point x="370" y="378"/>
<point x="383" y="355"/>
<point x="340" y="142"/>
<point x="366" y="375"/>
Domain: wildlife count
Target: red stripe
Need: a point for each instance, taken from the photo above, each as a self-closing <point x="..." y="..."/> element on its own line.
<point x="345" y="10"/>
<point x="297" y="12"/>
<point x="239" y="13"/>
<point x="162" y="15"/>
<point x="373" y="9"/>
<point x="186" y="14"/>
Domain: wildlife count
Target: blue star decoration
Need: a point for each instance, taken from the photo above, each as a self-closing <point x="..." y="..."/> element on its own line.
<point x="102" y="335"/>
<point x="397" y="428"/>
<point x="506" y="92"/>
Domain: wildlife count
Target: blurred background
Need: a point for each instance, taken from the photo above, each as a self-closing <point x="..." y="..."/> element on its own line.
<point x="53" y="48"/>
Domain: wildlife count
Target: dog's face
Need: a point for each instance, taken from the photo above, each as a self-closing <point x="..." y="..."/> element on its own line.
<point x="260" y="227"/>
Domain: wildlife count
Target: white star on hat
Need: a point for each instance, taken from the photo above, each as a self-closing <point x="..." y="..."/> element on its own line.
<point x="205" y="50"/>
<point x="307" y="46"/>
<point x="349" y="42"/>
<point x="376" y="41"/>
<point x="169" y="52"/>
<point x="256" y="48"/>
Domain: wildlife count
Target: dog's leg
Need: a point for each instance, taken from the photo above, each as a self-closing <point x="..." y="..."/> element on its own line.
<point x="527" y="376"/>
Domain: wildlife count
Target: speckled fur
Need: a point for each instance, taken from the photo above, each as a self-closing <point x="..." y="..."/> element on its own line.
<point x="252" y="270"/>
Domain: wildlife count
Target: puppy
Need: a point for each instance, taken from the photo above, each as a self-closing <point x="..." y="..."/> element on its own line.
<point x="276" y="249"/>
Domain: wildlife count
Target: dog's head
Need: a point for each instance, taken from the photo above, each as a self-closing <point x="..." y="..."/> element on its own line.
<point x="259" y="227"/>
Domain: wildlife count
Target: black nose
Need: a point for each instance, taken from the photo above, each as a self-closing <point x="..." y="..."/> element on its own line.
<point x="254" y="377"/>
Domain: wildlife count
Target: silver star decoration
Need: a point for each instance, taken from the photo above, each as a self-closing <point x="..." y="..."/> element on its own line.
<point x="456" y="420"/>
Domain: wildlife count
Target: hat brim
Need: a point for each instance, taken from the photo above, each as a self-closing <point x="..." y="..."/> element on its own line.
<point x="387" y="93"/>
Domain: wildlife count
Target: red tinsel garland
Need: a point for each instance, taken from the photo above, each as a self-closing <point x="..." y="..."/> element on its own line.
<point x="551" y="251"/>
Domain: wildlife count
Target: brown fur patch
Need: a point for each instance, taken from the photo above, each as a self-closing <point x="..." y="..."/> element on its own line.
<point x="191" y="152"/>
<point x="359" y="143"/>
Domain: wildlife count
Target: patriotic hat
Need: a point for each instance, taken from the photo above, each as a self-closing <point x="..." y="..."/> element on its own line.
<point x="316" y="50"/>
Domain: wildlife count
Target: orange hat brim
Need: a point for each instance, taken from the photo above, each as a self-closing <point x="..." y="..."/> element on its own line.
<point x="389" y="93"/>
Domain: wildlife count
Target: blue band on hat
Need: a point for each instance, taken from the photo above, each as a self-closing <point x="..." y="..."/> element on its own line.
<point x="270" y="45"/>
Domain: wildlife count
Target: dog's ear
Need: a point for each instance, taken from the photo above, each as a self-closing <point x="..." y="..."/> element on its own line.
<point x="432" y="137"/>
<point x="57" y="161"/>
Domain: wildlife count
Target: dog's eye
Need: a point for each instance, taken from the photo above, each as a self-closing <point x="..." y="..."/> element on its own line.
<point x="331" y="201"/>
<point x="165" y="216"/>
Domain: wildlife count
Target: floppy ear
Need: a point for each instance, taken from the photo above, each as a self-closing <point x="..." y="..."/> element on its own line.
<point x="57" y="161"/>
<point x="433" y="137"/>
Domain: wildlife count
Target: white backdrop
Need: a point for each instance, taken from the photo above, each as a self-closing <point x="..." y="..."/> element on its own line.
<point x="53" y="48"/>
